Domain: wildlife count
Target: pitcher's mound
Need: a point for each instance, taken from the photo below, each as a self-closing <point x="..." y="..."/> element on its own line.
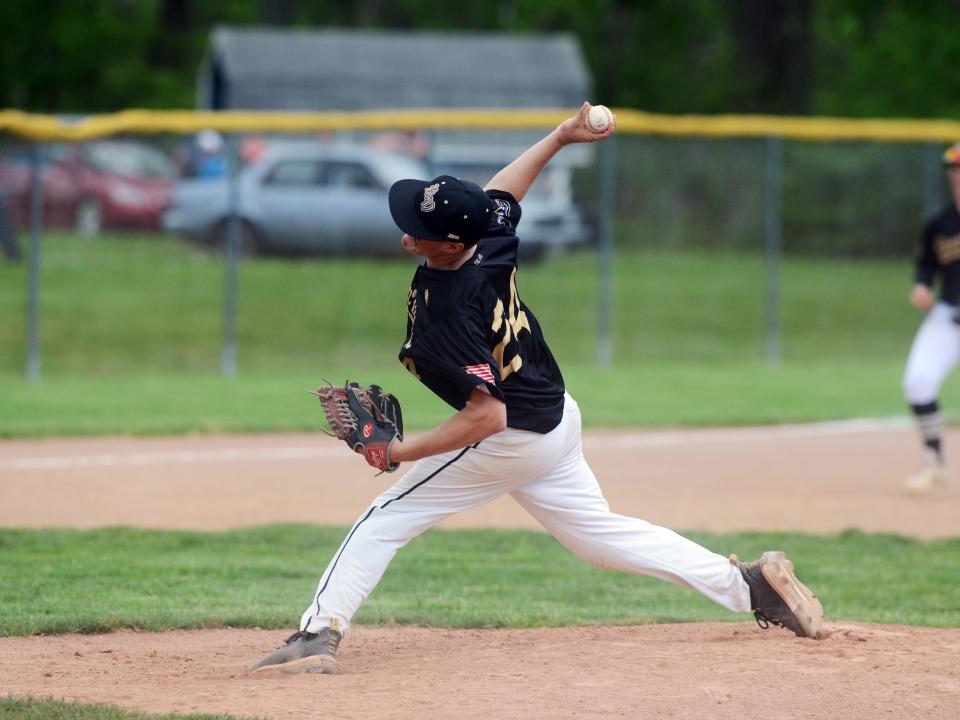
<point x="698" y="670"/>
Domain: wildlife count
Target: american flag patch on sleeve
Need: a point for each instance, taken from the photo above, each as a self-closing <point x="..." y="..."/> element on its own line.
<point x="481" y="371"/>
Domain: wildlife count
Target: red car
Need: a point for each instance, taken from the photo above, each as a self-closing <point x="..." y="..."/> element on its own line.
<point x="89" y="187"/>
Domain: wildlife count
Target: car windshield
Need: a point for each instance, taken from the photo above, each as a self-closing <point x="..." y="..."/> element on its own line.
<point x="130" y="159"/>
<point x="393" y="167"/>
<point x="542" y="188"/>
<point x="341" y="166"/>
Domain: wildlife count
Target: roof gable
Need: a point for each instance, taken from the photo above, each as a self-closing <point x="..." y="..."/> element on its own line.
<point x="268" y="68"/>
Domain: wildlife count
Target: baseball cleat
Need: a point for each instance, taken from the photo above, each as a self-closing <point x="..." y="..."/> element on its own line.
<point x="926" y="480"/>
<point x="778" y="598"/>
<point x="304" y="652"/>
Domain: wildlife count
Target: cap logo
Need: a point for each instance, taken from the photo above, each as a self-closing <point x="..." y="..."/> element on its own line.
<point x="428" y="192"/>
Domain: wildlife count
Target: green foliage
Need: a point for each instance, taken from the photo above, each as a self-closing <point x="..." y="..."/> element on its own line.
<point x="858" y="199"/>
<point x="838" y="199"/>
<point x="893" y="46"/>
<point x="689" y="56"/>
<point x="95" y="55"/>
<point x="55" y="581"/>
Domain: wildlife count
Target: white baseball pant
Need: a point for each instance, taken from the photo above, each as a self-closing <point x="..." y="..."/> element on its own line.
<point x="934" y="353"/>
<point x="549" y="477"/>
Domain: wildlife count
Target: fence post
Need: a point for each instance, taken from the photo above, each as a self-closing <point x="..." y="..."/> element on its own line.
<point x="605" y="206"/>
<point x="773" y="237"/>
<point x="228" y="357"/>
<point x="932" y="180"/>
<point x="33" y="266"/>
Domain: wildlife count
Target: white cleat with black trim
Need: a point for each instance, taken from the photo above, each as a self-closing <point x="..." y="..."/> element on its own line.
<point x="928" y="479"/>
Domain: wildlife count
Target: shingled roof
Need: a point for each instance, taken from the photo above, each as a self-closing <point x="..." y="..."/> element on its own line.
<point x="289" y="69"/>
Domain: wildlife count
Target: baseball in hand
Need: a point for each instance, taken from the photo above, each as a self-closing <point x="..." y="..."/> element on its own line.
<point x="599" y="118"/>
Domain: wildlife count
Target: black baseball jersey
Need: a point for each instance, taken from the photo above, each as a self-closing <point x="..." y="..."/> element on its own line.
<point x="468" y="328"/>
<point x="939" y="251"/>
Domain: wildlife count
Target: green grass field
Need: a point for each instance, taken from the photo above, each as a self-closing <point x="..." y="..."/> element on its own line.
<point x="56" y="710"/>
<point x="147" y="304"/>
<point x="641" y="396"/>
<point x="131" y="345"/>
<point x="132" y="324"/>
<point x="56" y="581"/>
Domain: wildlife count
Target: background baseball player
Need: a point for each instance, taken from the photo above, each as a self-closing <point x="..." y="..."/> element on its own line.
<point x="936" y="347"/>
<point x="472" y="341"/>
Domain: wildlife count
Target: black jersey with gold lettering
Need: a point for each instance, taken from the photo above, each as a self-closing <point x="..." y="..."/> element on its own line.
<point x="468" y="328"/>
<point x="939" y="251"/>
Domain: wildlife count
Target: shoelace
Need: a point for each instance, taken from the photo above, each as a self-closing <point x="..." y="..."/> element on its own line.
<point x="333" y="642"/>
<point x="764" y="622"/>
<point x="293" y="638"/>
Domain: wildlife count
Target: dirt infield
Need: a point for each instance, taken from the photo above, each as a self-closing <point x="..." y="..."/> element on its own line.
<point x="696" y="671"/>
<point x="818" y="478"/>
<point x="823" y="478"/>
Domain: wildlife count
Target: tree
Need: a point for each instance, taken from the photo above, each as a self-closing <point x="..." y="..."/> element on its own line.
<point x="844" y="57"/>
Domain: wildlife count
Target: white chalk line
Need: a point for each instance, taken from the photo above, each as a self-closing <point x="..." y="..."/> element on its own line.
<point x="664" y="438"/>
<point x="592" y="441"/>
<point x="169" y="457"/>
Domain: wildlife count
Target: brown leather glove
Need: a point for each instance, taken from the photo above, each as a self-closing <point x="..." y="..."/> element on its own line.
<point x="365" y="418"/>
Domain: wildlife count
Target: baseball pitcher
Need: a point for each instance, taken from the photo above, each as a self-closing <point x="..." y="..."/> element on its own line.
<point x="471" y="340"/>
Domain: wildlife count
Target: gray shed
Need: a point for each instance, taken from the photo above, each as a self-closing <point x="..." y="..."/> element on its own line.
<point x="335" y="69"/>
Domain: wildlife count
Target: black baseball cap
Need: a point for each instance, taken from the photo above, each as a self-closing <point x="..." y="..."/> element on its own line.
<point x="444" y="208"/>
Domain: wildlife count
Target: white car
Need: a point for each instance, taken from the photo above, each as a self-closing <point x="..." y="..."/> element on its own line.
<point x="299" y="198"/>
<point x="312" y="199"/>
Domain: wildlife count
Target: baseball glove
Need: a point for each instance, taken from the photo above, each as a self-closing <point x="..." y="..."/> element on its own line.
<point x="366" y="418"/>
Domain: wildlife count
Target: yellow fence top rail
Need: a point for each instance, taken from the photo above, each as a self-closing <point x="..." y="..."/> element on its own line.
<point x="51" y="128"/>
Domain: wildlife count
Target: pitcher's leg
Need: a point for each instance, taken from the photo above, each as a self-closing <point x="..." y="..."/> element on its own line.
<point x="419" y="500"/>
<point x="433" y="489"/>
<point x="569" y="504"/>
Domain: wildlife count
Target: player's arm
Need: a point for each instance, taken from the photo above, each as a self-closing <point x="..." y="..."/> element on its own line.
<point x="922" y="297"/>
<point x="517" y="177"/>
<point x="483" y="416"/>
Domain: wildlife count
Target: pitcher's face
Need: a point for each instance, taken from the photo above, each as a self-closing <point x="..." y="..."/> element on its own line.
<point x="441" y="250"/>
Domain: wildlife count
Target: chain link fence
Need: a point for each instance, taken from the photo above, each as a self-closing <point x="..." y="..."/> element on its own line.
<point x="206" y="252"/>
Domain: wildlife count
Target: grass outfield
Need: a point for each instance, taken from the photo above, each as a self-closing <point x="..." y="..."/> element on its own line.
<point x="642" y="396"/>
<point x="34" y="709"/>
<point x="57" y="581"/>
<point x="131" y="343"/>
<point x="131" y="328"/>
<point x="152" y="304"/>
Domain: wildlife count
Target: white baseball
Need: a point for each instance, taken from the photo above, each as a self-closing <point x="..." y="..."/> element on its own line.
<point x="599" y="118"/>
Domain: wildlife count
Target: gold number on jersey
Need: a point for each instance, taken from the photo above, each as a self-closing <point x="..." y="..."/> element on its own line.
<point x="512" y="321"/>
<point x="947" y="248"/>
<point x="412" y="317"/>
